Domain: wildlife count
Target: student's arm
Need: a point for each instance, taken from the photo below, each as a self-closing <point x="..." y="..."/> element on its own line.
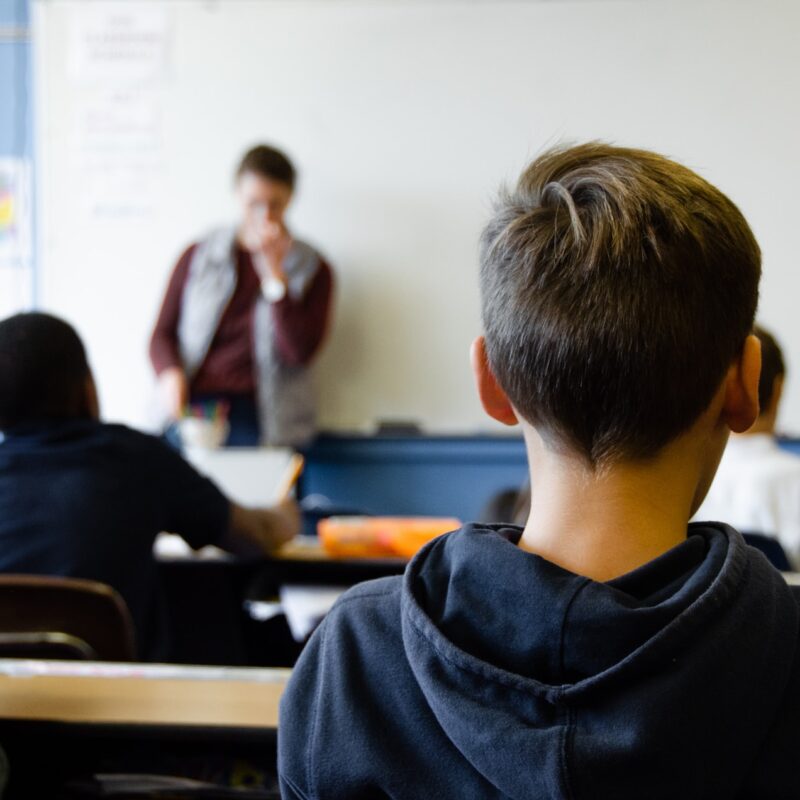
<point x="301" y="324"/>
<point x="193" y="507"/>
<point x="252" y="531"/>
<point x="164" y="351"/>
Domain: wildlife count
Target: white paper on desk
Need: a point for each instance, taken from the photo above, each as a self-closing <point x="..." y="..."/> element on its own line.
<point x="170" y="547"/>
<point x="249" y="476"/>
<point x="306" y="606"/>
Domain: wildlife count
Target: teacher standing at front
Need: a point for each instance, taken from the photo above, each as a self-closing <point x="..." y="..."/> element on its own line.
<point x="245" y="312"/>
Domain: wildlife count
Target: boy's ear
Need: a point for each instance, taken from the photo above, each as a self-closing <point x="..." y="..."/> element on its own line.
<point x="493" y="398"/>
<point x="740" y="408"/>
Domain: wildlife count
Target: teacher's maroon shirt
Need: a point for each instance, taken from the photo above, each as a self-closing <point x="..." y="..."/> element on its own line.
<point x="300" y="327"/>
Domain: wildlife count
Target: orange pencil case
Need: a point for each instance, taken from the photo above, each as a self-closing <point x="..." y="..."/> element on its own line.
<point x="381" y="537"/>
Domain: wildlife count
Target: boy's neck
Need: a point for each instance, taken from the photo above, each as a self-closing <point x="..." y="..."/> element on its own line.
<point x="604" y="523"/>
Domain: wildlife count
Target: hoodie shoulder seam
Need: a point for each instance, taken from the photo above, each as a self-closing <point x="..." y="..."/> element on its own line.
<point x="345" y="599"/>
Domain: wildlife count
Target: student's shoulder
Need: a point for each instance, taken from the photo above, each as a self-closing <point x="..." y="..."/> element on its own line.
<point x="778" y="463"/>
<point x="135" y="442"/>
<point x="793" y="686"/>
<point x="124" y="433"/>
<point x="368" y="603"/>
<point x="365" y="619"/>
<point x="368" y="612"/>
<point x="795" y="592"/>
<point x="351" y="677"/>
<point x="774" y="770"/>
<point x="775" y="471"/>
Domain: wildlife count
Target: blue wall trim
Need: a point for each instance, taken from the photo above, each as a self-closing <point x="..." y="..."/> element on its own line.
<point x="16" y="97"/>
<point x="453" y="476"/>
<point x="15" y="12"/>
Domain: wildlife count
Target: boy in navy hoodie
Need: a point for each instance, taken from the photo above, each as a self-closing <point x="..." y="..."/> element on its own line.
<point x="609" y="649"/>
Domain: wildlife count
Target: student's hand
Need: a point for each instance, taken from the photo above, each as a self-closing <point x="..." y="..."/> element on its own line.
<point x="174" y="390"/>
<point x="291" y="521"/>
<point x="253" y="530"/>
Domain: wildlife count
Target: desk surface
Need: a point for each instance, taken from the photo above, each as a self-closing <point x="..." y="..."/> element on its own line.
<point x="139" y="694"/>
<point x="145" y="694"/>
<point x="171" y="548"/>
<point x="309" y="548"/>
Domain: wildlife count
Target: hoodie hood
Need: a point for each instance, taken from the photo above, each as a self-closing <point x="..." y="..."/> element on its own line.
<point x="532" y="670"/>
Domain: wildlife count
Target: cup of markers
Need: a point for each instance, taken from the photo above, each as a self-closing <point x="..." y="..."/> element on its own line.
<point x="204" y="425"/>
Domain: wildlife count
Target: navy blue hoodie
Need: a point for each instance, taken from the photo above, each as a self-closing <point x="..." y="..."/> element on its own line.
<point x="489" y="672"/>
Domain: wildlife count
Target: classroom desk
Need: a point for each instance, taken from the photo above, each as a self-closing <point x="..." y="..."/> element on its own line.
<point x="62" y="722"/>
<point x="141" y="694"/>
<point x="304" y="560"/>
<point x="204" y="598"/>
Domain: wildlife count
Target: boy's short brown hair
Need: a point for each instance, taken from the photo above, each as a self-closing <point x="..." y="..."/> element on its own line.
<point x="268" y="162"/>
<point x="617" y="289"/>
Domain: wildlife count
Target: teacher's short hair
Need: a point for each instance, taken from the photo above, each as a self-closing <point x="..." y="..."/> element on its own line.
<point x="617" y="287"/>
<point x="268" y="162"/>
<point x="43" y="370"/>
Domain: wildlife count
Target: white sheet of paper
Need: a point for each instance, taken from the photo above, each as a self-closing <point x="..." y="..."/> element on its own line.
<point x="169" y="547"/>
<point x="249" y="476"/>
<point x="305" y="606"/>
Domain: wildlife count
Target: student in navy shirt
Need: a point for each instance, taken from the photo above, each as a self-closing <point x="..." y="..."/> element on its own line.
<point x="85" y="499"/>
<point x="607" y="649"/>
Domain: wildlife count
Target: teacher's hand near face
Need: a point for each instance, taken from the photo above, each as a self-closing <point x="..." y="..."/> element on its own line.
<point x="269" y="244"/>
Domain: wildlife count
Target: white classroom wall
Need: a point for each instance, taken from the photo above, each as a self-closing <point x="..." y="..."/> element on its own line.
<point x="403" y="118"/>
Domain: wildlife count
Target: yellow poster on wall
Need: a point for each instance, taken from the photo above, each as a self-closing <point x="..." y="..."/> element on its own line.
<point x="15" y="212"/>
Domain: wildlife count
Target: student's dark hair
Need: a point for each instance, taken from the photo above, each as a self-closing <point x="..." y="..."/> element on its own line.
<point x="268" y="163"/>
<point x="43" y="369"/>
<point x="617" y="288"/>
<point x="772" y="366"/>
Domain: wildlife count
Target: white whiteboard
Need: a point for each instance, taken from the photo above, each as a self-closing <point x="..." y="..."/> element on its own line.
<point x="403" y="118"/>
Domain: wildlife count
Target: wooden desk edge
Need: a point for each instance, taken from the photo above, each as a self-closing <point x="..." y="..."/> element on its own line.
<point x="136" y="701"/>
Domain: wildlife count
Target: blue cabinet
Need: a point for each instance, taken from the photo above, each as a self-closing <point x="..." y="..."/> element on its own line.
<point x="415" y="475"/>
